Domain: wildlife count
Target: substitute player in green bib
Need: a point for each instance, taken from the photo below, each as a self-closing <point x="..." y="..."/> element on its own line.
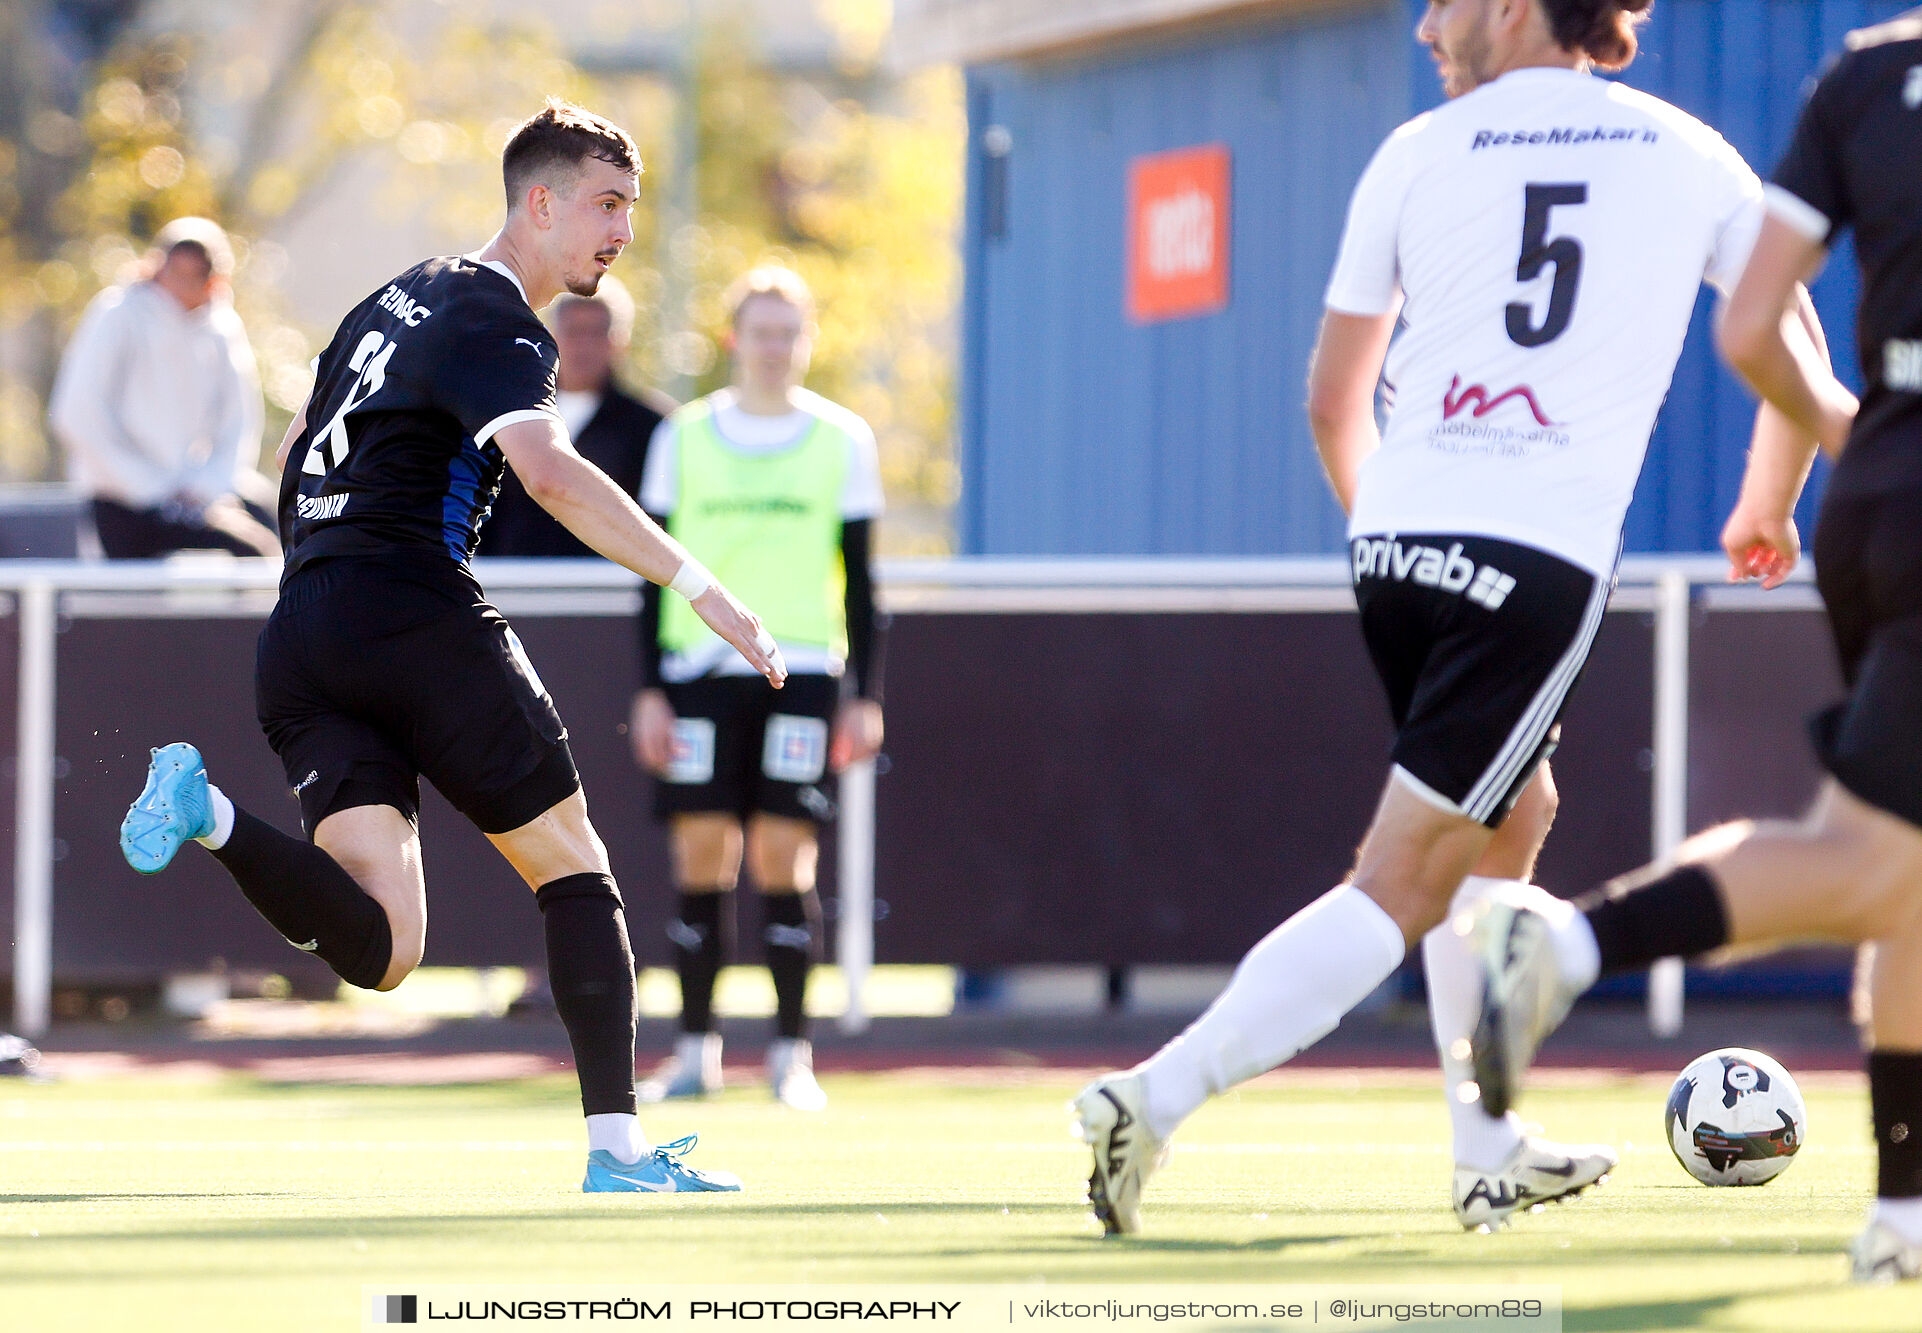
<point x="778" y="488"/>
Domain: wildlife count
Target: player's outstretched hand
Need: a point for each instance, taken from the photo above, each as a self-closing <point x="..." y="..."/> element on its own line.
<point x="1761" y="546"/>
<point x="742" y="628"/>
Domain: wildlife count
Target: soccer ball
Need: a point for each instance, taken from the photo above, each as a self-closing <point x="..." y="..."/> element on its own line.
<point x="1735" y="1117"/>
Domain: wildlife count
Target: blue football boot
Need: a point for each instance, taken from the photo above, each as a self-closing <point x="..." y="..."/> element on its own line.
<point x="660" y="1172"/>
<point x="172" y="808"/>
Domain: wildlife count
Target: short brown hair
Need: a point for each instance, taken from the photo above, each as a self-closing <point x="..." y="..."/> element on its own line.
<point x="1603" y="30"/>
<point x="775" y="280"/>
<point x="551" y="144"/>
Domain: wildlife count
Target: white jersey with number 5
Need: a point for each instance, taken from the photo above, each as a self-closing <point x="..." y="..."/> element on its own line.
<point x="1547" y="235"/>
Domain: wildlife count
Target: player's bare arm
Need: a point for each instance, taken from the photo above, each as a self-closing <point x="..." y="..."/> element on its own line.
<point x="1341" y="394"/>
<point x="1760" y="536"/>
<point x="1763" y="335"/>
<point x="593" y="508"/>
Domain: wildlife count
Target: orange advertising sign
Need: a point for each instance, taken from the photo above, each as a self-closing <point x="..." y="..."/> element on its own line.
<point x="1178" y="233"/>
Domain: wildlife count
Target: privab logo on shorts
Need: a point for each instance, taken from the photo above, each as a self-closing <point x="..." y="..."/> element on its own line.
<point x="1431" y="567"/>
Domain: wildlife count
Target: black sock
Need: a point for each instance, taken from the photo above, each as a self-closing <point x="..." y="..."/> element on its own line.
<point x="703" y="936"/>
<point x="306" y="896"/>
<point x="790" y="923"/>
<point x="590" y="968"/>
<point x="1641" y="918"/>
<point x="1895" y="1101"/>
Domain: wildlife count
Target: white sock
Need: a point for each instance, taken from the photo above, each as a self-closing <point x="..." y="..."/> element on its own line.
<point x="1904" y="1216"/>
<point x="223" y="819"/>
<point x="1287" y="994"/>
<point x="1482" y="1141"/>
<point x="1575" y="947"/>
<point x="618" y="1133"/>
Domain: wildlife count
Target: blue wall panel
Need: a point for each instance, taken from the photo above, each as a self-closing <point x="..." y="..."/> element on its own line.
<point x="1083" y="433"/>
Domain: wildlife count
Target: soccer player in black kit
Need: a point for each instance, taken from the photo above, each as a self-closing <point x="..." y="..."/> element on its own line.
<point x="383" y="662"/>
<point x="1851" y="869"/>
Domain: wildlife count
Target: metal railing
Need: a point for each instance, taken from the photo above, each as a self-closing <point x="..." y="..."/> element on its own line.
<point x="42" y="590"/>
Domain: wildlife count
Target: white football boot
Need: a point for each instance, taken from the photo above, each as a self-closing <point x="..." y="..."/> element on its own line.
<point x="1537" y="1172"/>
<point x="1108" y="1118"/>
<point x="1524" y="997"/>
<point x="1883" y="1254"/>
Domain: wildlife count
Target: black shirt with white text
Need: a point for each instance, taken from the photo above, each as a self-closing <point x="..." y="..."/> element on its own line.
<point x="398" y="450"/>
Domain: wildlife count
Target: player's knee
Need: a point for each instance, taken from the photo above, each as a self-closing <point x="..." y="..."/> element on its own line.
<point x="707" y="849"/>
<point x="783" y="853"/>
<point x="409" y="943"/>
<point x="708" y="833"/>
<point x="398" y="970"/>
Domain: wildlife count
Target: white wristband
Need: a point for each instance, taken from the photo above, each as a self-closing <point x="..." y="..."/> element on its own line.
<point x="692" y="580"/>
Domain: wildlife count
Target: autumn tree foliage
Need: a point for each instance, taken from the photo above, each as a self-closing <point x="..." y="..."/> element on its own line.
<point x="110" y="125"/>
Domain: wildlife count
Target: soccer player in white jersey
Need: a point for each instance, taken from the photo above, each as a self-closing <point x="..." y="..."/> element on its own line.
<point x="1542" y="236"/>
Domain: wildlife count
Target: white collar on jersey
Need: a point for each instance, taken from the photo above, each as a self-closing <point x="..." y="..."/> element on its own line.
<point x="501" y="269"/>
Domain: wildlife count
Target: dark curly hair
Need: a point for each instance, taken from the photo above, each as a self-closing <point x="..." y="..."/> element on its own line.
<point x="1604" y="30"/>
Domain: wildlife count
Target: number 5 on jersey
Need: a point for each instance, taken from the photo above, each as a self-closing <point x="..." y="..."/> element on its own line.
<point x="370" y="358"/>
<point x="1538" y="252"/>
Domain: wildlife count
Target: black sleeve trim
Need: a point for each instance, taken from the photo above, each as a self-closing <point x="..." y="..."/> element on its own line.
<point x="867" y="626"/>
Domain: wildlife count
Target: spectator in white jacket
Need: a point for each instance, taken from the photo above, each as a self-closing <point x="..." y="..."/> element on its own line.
<point x="158" y="406"/>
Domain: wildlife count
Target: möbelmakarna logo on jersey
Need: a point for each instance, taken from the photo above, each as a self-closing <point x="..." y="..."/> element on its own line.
<point x="1477" y="397"/>
<point x="1494" y="440"/>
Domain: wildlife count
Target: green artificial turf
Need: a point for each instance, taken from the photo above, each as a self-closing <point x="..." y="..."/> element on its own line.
<point x="231" y="1203"/>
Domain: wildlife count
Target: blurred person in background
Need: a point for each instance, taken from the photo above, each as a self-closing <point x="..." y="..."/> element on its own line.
<point x="609" y="426"/>
<point x="781" y="487"/>
<point x="157" y="405"/>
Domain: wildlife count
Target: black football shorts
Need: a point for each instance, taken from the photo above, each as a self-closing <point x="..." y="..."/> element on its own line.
<point x="375" y="671"/>
<point x="742" y="747"/>
<point x="1479" y="643"/>
<point x="1868" y="561"/>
